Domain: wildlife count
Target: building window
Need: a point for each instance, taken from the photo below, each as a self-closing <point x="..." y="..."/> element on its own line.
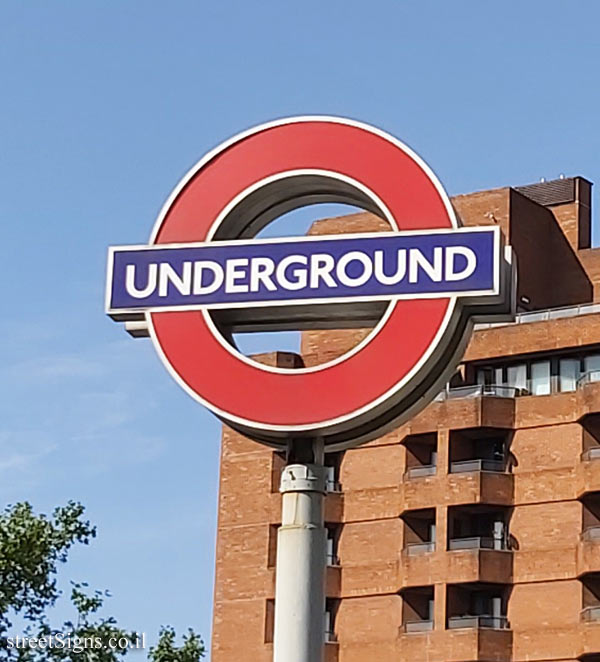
<point x="490" y="376"/>
<point x="590" y="585"/>
<point x="417" y="609"/>
<point x="331" y="607"/>
<point x="568" y="374"/>
<point x="591" y="363"/>
<point x="333" y="535"/>
<point x="516" y="376"/>
<point x="333" y="463"/>
<point x="552" y="374"/>
<point x="278" y="463"/>
<point x="269" y="621"/>
<point x="272" y="551"/>
<point x="540" y="378"/>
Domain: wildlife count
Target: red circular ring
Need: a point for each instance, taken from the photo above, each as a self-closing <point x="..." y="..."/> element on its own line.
<point x="246" y="393"/>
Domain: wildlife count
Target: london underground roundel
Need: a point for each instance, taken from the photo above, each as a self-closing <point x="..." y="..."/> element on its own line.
<point x="203" y="274"/>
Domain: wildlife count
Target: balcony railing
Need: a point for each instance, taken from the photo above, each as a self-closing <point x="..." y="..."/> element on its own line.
<point x="591" y="534"/>
<point x="588" y="378"/>
<point x="548" y="314"/>
<point x="493" y="622"/>
<point x="479" y="391"/>
<point x="464" y="466"/>
<point x="476" y="542"/>
<point x="421" y="471"/>
<point x="591" y="454"/>
<point x="417" y="626"/>
<point x="419" y="548"/>
<point x="333" y="560"/>
<point x="590" y="614"/>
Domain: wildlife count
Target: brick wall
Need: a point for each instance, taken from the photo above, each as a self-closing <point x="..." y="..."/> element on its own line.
<point x="544" y="572"/>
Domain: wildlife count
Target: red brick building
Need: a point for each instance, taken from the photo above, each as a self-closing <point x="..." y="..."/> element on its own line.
<point x="473" y="531"/>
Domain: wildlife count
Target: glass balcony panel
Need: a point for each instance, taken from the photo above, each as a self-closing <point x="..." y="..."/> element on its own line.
<point x="477" y="542"/>
<point x="478" y="391"/>
<point x="540" y="378"/>
<point x="591" y="454"/>
<point x="465" y="466"/>
<point x="591" y="534"/>
<point x="493" y="622"/>
<point x="417" y="626"/>
<point x="590" y="614"/>
<point x="588" y="377"/>
<point x="569" y="371"/>
<point x="548" y="314"/>
<point x="420" y="471"/>
<point x="517" y="375"/>
<point x="419" y="548"/>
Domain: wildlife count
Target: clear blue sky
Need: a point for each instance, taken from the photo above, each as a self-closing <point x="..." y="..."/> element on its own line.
<point x="105" y="104"/>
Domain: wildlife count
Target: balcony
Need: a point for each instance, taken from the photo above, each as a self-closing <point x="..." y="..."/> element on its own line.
<point x="591" y="454"/>
<point x="479" y="391"/>
<point x="470" y="561"/>
<point x="478" y="527"/>
<point x="467" y="466"/>
<point x="420" y="471"/>
<point x="588" y="472"/>
<point x="419" y="548"/>
<point x="412" y="627"/>
<point x="461" y="488"/>
<point x="421" y="455"/>
<point x="417" y="610"/>
<point x="588" y="552"/>
<point x="591" y="534"/>
<point x="546" y="315"/>
<point x="590" y="614"/>
<point x="482" y="621"/>
<point x="477" y="606"/>
<point x="476" y="543"/>
<point x="459" y="644"/>
<point x="588" y="378"/>
<point x="478" y="405"/>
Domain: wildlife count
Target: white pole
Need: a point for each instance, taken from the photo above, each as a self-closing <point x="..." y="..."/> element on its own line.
<point x="301" y="562"/>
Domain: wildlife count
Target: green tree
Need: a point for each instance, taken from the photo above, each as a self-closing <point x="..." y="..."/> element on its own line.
<point x="31" y="547"/>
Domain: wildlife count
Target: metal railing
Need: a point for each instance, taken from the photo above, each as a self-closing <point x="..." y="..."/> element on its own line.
<point x="478" y="391"/>
<point x="333" y="560"/>
<point x="547" y="314"/>
<point x="588" y="377"/>
<point x="492" y="622"/>
<point x="333" y="487"/>
<point x="464" y="466"/>
<point x="590" y="614"/>
<point x="591" y="454"/>
<point x="417" y="626"/>
<point x="476" y="542"/>
<point x="421" y="471"/>
<point x="419" y="548"/>
<point x="503" y="391"/>
<point x="591" y="534"/>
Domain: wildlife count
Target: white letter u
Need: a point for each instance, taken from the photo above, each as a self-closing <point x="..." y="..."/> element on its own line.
<point x="132" y="290"/>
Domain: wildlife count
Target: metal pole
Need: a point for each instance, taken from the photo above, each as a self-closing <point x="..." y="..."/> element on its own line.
<point x="301" y="557"/>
